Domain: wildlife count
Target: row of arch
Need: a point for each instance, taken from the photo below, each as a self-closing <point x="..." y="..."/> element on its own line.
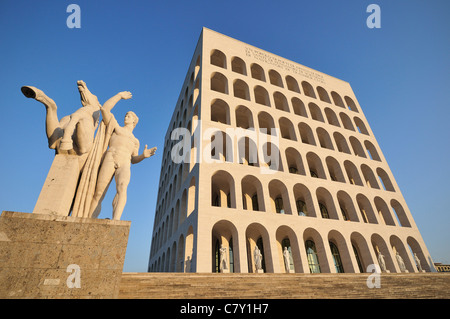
<point x="220" y="112"/>
<point x="311" y="251"/>
<point x="178" y="257"/>
<point x="286" y="130"/>
<point x="271" y="157"/>
<point x="219" y="83"/>
<point x="248" y="151"/>
<point x="302" y="202"/>
<point x="324" y="205"/>
<point x="179" y="212"/>
<point x="238" y="65"/>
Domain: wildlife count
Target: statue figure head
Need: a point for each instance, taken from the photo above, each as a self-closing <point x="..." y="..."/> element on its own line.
<point x="133" y="117"/>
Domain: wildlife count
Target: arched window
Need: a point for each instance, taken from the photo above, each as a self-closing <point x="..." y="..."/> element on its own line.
<point x="294" y="161"/>
<point x="346" y="121"/>
<point x="336" y="258"/>
<point x="238" y="65"/>
<point x="316" y="114"/>
<point x="369" y="176"/>
<point x="372" y="151"/>
<point x="385" y="180"/>
<point x="360" y="126"/>
<point x="287" y="129"/>
<point x="334" y="169"/>
<point x="222" y="190"/>
<point x="306" y="134"/>
<point x="219" y="83"/>
<point x="240" y="89"/>
<point x="323" y="94"/>
<point x="352" y="173"/>
<point x="331" y="117"/>
<point x="308" y="89"/>
<point x="324" y="139"/>
<point x="347" y="207"/>
<point x="292" y="84"/>
<point x="218" y="59"/>
<point x="303" y="201"/>
<point x="271" y="157"/>
<point x="383" y="211"/>
<point x="244" y="118"/>
<point x="261" y="95"/>
<point x="280" y="102"/>
<point x="315" y="165"/>
<point x="299" y="107"/>
<point x="252" y="194"/>
<point x="257" y="72"/>
<point x="221" y="147"/>
<point x="400" y="213"/>
<point x="275" y="78"/>
<point x="365" y="207"/>
<point x="341" y="143"/>
<point x="279" y="197"/>
<point x="266" y="123"/>
<point x="337" y="99"/>
<point x="220" y="111"/>
<point x="313" y="260"/>
<point x="350" y="104"/>
<point x="247" y="151"/>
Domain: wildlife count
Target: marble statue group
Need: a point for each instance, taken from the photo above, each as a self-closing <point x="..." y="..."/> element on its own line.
<point x="102" y="155"/>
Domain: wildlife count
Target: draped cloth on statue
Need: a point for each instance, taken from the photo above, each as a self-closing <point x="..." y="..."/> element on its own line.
<point x="88" y="179"/>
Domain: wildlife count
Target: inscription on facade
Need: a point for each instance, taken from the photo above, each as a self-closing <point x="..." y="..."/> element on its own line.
<point x="284" y="64"/>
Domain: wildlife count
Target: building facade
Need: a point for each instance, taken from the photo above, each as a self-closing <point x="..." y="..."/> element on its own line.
<point x="265" y="152"/>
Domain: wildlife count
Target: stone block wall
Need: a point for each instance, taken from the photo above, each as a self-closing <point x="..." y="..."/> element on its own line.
<point x="45" y="256"/>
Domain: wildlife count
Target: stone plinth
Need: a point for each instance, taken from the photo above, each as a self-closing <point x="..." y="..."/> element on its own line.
<point x="59" y="187"/>
<point x="48" y="256"/>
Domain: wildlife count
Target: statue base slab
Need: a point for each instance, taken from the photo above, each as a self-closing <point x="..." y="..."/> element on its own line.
<point x="259" y="271"/>
<point x="47" y="256"/>
<point x="59" y="187"/>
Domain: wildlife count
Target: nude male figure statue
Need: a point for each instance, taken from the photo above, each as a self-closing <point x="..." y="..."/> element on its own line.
<point x="122" y="152"/>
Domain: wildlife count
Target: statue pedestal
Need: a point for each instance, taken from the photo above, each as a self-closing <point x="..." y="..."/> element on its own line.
<point x="259" y="271"/>
<point x="59" y="187"/>
<point x="225" y="271"/>
<point x="48" y="256"/>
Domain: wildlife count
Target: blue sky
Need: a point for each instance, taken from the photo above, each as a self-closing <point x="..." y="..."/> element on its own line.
<point x="399" y="73"/>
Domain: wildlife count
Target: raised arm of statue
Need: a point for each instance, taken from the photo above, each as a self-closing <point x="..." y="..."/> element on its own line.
<point x="107" y="107"/>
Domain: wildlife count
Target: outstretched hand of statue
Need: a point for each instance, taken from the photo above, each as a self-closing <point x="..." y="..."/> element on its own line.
<point x="149" y="152"/>
<point x="125" y="95"/>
